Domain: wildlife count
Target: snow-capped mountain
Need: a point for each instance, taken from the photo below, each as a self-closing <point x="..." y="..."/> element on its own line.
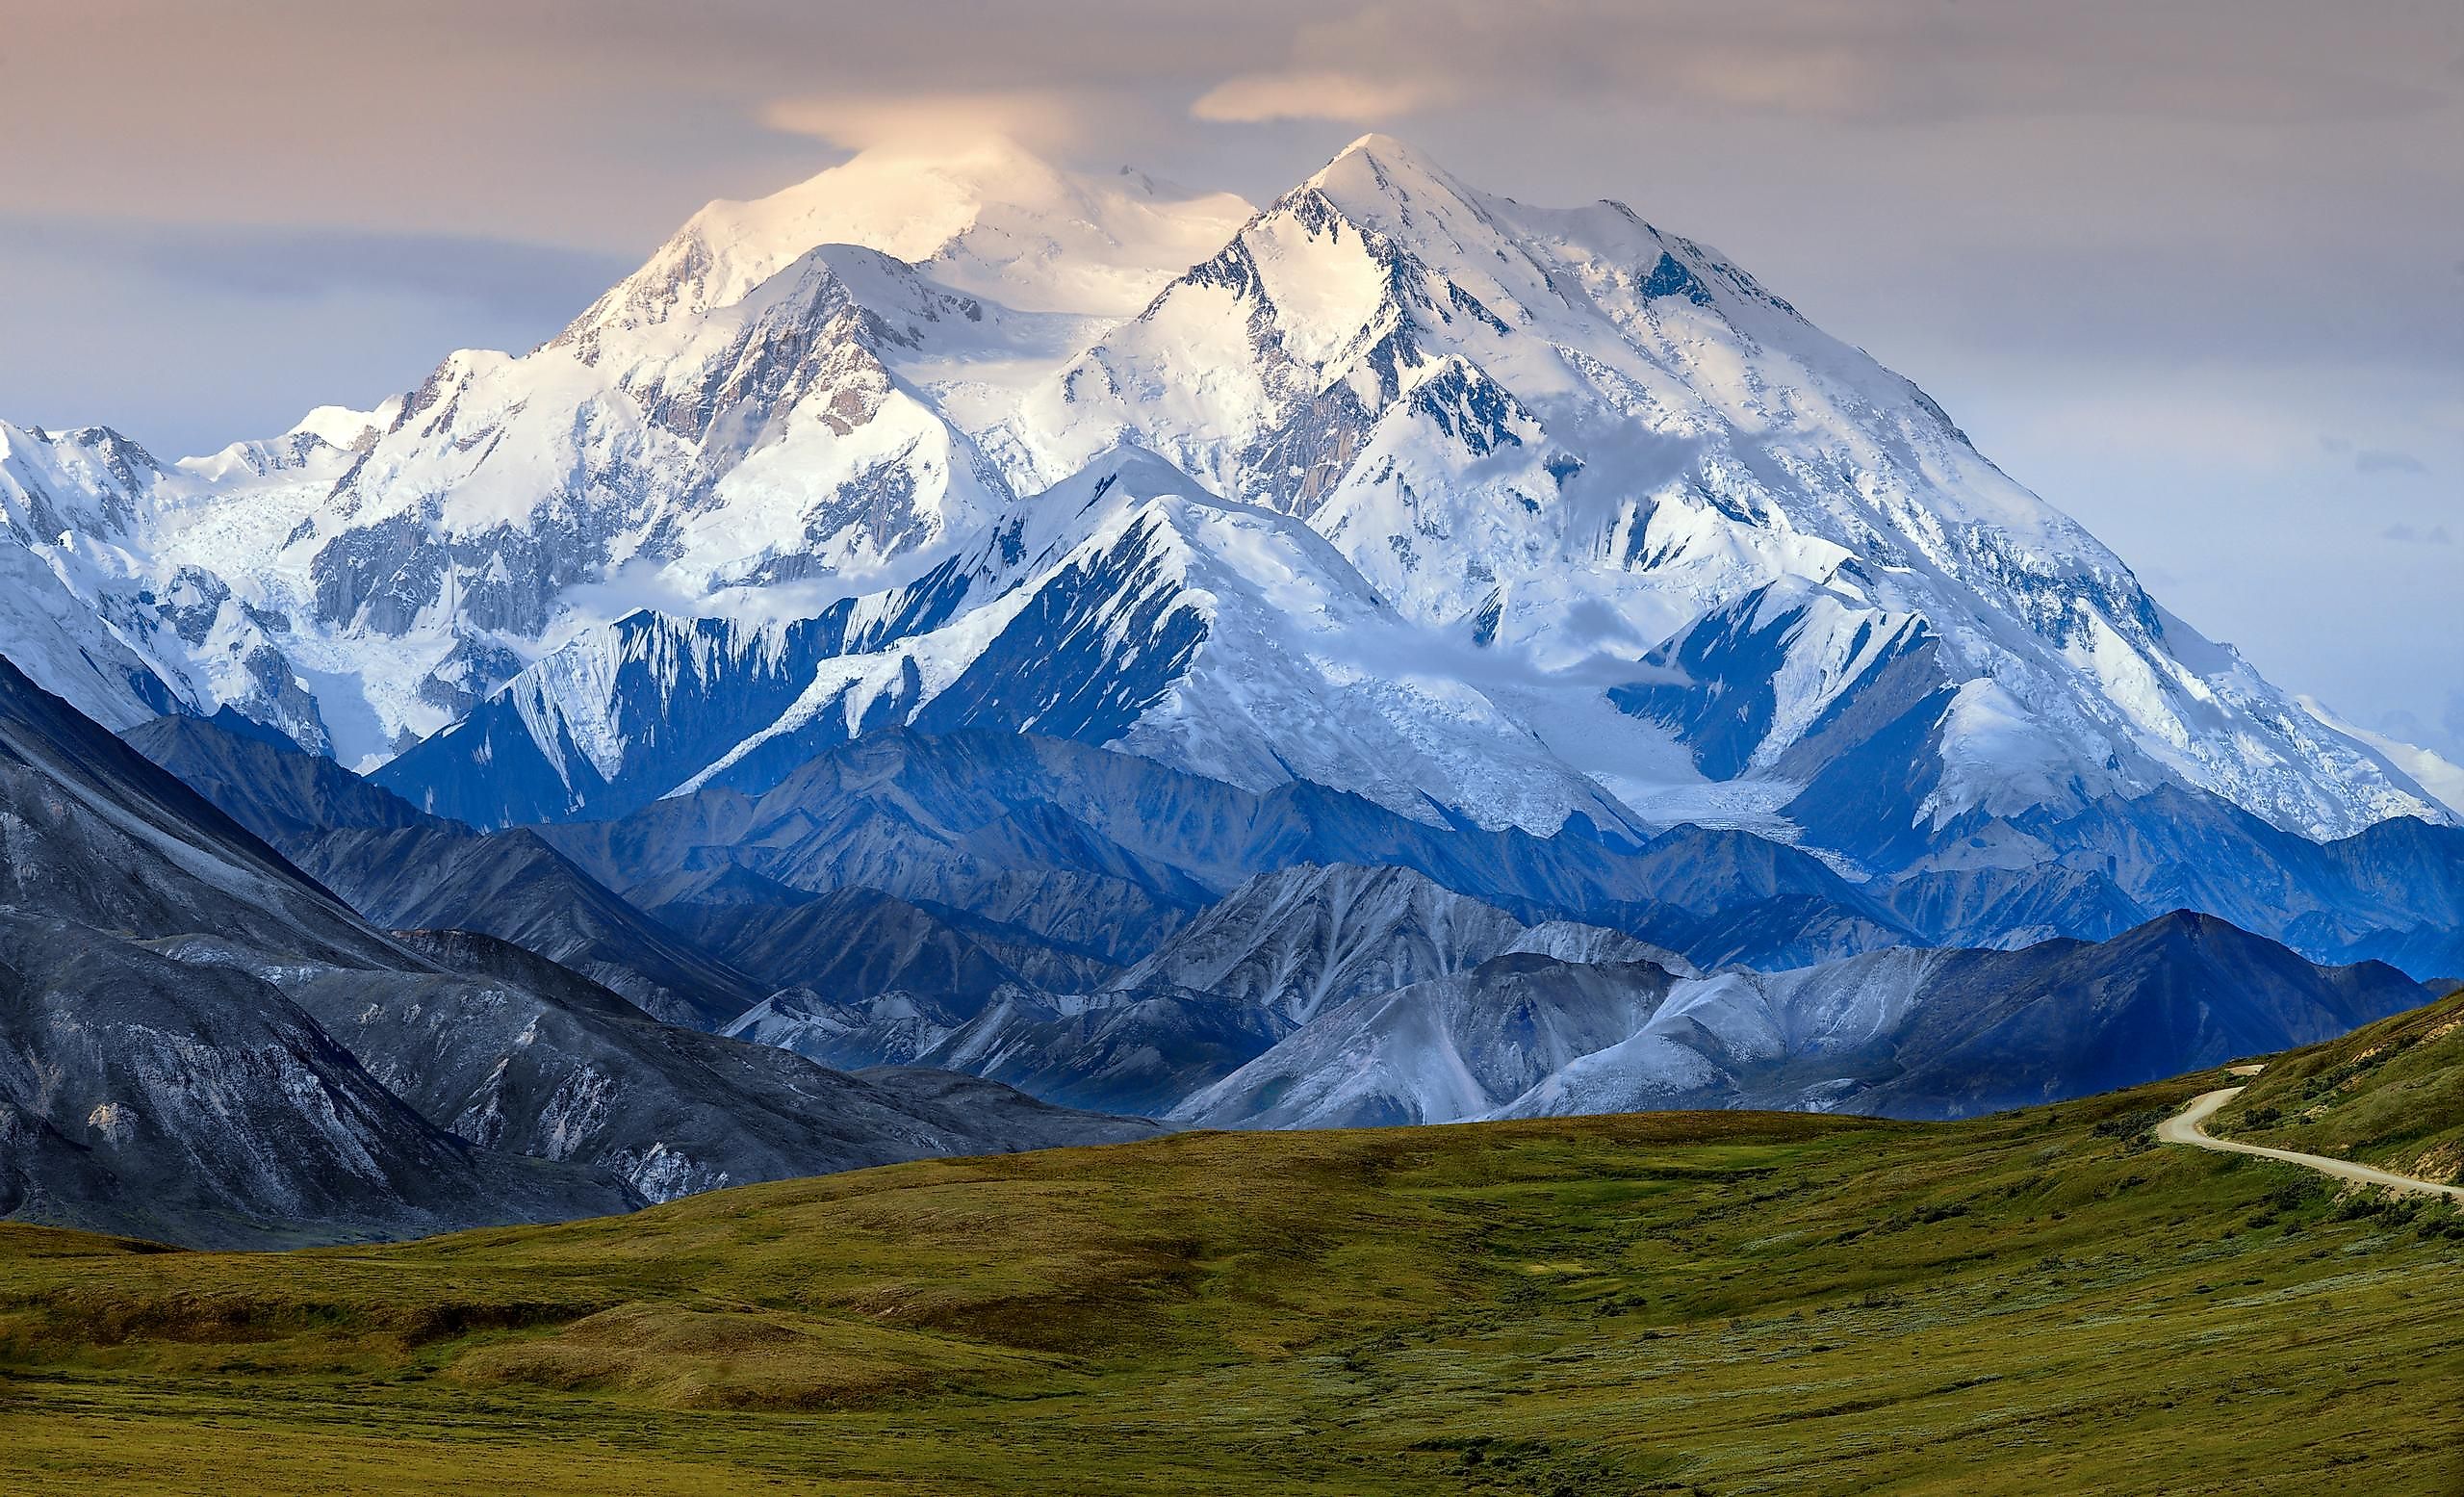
<point x="1489" y="513"/>
<point x="1563" y="430"/>
<point x="760" y="405"/>
<point x="73" y="505"/>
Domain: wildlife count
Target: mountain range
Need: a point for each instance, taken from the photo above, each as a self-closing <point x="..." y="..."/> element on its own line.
<point x="918" y="902"/>
<point x="1394" y="654"/>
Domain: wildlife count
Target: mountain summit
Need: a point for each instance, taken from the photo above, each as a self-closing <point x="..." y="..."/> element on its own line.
<point x="994" y="221"/>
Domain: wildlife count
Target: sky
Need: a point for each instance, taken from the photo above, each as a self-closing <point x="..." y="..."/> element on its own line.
<point x="2193" y="270"/>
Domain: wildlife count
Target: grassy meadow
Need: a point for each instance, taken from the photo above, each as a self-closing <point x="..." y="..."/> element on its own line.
<point x="2044" y="1302"/>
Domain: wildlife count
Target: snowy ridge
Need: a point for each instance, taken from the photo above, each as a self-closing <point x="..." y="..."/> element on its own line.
<point x="751" y="424"/>
<point x="1125" y="606"/>
<point x="85" y="612"/>
<point x="995" y="222"/>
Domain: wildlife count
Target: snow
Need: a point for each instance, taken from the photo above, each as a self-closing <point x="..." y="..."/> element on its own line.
<point x="1652" y="456"/>
<point x="993" y="219"/>
<point x="2433" y="772"/>
<point x="341" y="426"/>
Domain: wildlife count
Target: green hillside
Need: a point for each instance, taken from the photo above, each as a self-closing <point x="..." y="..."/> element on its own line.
<point x="2390" y="1094"/>
<point x="1683" y="1302"/>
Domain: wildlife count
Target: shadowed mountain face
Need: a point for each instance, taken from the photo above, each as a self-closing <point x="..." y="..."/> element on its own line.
<point x="2007" y="1029"/>
<point x="147" y="1095"/>
<point x="1108" y="854"/>
<point x="198" y="1042"/>
<point x="514" y="885"/>
<point x="98" y="835"/>
<point x="521" y="1055"/>
<point x="143" y="1094"/>
<point x="854" y="944"/>
<point x="267" y="784"/>
<point x="1355" y="997"/>
<point x="403" y="869"/>
<point x="1244" y="973"/>
<point x="1293" y="943"/>
<point x="2392" y="891"/>
<point x="1310" y="995"/>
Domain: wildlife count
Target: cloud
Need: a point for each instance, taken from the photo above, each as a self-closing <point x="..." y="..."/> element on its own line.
<point x="2380" y="459"/>
<point x="1254" y="98"/>
<point x="929" y="122"/>
<point x="1887" y="61"/>
<point x="498" y="277"/>
<point x="2372" y="460"/>
<point x="2407" y="535"/>
<point x="1836" y="81"/>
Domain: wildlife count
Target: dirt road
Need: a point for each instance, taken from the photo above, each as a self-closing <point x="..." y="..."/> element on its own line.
<point x="2186" y="1128"/>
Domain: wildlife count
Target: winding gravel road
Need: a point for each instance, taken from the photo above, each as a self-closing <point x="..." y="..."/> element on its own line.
<point x="2187" y="1127"/>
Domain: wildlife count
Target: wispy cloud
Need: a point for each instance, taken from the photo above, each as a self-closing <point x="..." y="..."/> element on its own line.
<point x="1254" y="98"/>
<point x="278" y="263"/>
<point x="2372" y="460"/>
<point x="1880" y="61"/>
<point x="2380" y="459"/>
<point x="929" y="122"/>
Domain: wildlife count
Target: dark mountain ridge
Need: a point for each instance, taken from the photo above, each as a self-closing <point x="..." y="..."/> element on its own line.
<point x="200" y="1043"/>
<point x="402" y="869"/>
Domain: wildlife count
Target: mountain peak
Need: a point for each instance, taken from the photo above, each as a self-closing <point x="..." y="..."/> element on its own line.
<point x="1375" y="143"/>
<point x="1383" y="167"/>
<point x="990" y="218"/>
<point x="1477" y="460"/>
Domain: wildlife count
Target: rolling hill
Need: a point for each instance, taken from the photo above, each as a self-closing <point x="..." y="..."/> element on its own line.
<point x="1673" y="1303"/>
<point x="2389" y="1093"/>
